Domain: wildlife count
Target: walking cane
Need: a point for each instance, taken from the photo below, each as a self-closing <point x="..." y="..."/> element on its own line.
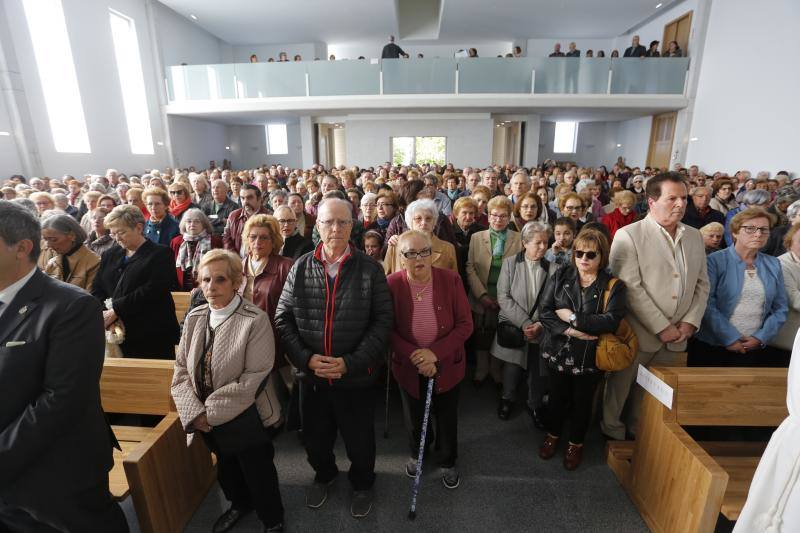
<point x="412" y="514"/>
<point x="388" y="383"/>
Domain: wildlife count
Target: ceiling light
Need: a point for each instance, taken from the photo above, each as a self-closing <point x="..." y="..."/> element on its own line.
<point x="5" y="133"/>
<point x="160" y="143"/>
<point x="659" y="5"/>
<point x="227" y="147"/>
<point x="694" y="139"/>
<point x="619" y="146"/>
<point x="194" y="17"/>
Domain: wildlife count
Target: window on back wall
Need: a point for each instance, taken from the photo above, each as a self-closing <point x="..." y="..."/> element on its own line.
<point x="277" y="140"/>
<point x="131" y="79"/>
<point x="410" y="150"/>
<point x="566" y="138"/>
<point x="53" y="53"/>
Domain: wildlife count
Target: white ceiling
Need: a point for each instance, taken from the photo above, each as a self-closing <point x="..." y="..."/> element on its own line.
<point x="242" y="22"/>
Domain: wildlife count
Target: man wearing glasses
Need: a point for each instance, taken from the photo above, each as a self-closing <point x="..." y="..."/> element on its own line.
<point x="334" y="317"/>
<point x="662" y="262"/>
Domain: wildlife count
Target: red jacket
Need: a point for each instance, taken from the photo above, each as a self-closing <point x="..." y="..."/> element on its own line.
<point x="232" y="236"/>
<point x="454" y="320"/>
<point x="616" y="220"/>
<point x="267" y="288"/>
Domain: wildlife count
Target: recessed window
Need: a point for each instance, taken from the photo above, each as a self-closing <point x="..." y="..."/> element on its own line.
<point x="277" y="140"/>
<point x="418" y="150"/>
<point x="566" y="138"/>
<point x="53" y="53"/>
<point x="131" y="79"/>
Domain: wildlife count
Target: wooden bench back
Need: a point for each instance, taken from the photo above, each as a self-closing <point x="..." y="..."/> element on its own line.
<point x="137" y="386"/>
<point x="729" y="396"/>
<point x="182" y="301"/>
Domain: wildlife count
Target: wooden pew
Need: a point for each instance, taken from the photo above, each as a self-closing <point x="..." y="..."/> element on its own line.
<point x="166" y="480"/>
<point x="679" y="484"/>
<point x="182" y="301"/>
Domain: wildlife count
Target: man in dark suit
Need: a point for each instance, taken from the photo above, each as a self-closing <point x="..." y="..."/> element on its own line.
<point x="635" y="49"/>
<point x="392" y="51"/>
<point x="55" y="445"/>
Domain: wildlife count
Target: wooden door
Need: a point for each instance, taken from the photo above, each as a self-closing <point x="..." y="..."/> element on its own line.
<point x="661" y="135"/>
<point x="678" y="30"/>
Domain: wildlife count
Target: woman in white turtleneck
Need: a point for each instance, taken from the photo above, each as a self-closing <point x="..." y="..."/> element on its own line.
<point x="221" y="366"/>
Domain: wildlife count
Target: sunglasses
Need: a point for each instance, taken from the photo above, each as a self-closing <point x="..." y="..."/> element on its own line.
<point x="589" y="255"/>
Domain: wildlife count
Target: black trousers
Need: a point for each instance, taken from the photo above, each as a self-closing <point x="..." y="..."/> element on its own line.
<point x="91" y="509"/>
<point x="249" y="480"/>
<point x="445" y="408"/>
<point x="330" y="410"/>
<point x="571" y="398"/>
<point x="700" y="353"/>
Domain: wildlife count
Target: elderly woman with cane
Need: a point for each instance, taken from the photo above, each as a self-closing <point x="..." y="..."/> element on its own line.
<point x="429" y="346"/>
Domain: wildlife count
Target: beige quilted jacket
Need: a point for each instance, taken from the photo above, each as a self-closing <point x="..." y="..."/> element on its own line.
<point x="244" y="355"/>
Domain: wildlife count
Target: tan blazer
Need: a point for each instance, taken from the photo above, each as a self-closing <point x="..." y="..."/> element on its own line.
<point x="479" y="262"/>
<point x="83" y="265"/>
<point x="642" y="258"/>
<point x="444" y="256"/>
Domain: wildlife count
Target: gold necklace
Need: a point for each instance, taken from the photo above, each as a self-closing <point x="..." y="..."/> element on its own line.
<point x="418" y="295"/>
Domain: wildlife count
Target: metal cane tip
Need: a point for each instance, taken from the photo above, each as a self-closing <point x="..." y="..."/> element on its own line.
<point x="412" y="515"/>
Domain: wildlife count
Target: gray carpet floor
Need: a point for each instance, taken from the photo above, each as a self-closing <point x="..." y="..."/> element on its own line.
<point x="505" y="487"/>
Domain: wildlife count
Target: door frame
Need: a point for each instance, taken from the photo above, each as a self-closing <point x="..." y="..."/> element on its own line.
<point x="654" y="133"/>
<point x="665" y="42"/>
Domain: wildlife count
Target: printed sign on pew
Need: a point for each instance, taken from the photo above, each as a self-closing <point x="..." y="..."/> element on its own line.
<point x="655" y="386"/>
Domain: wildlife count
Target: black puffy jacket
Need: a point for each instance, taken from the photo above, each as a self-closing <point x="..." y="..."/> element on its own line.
<point x="350" y="317"/>
<point x="563" y="291"/>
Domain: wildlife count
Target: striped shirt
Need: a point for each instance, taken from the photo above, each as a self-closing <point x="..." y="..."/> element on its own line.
<point x="423" y="320"/>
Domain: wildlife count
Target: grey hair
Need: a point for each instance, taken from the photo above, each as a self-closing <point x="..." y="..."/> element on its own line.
<point x="793" y="210"/>
<point x="368" y="197"/>
<point x="532" y="228"/>
<point x="65" y="224"/>
<point x="523" y="174"/>
<point x="698" y="189"/>
<point x="220" y="180"/>
<point x="278" y="193"/>
<point x="18" y="223"/>
<point x="756" y="197"/>
<point x="195" y="213"/>
<point x="335" y="200"/>
<point x="420" y="205"/>
<point x="28" y="204"/>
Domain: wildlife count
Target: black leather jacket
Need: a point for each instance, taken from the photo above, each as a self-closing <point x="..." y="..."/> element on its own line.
<point x="349" y="317"/>
<point x="563" y="291"/>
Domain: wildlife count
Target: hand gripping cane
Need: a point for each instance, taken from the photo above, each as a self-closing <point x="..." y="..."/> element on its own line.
<point x="412" y="514"/>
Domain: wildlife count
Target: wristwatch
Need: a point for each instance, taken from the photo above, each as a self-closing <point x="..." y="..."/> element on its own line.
<point x="572" y="319"/>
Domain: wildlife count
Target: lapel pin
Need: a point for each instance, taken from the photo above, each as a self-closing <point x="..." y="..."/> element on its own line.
<point x="23" y="310"/>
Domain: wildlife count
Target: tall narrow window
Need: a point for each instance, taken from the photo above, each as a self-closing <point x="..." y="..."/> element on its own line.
<point x="131" y="79"/>
<point x="277" y="141"/>
<point x="62" y="98"/>
<point x="566" y="138"/>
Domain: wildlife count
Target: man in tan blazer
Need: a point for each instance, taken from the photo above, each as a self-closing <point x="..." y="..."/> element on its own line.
<point x="663" y="265"/>
<point x="484" y="306"/>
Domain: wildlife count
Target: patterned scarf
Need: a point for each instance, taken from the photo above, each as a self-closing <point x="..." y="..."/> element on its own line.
<point x="189" y="254"/>
<point x="498" y="240"/>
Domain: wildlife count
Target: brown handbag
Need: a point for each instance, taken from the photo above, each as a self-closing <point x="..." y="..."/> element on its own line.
<point x="616" y="351"/>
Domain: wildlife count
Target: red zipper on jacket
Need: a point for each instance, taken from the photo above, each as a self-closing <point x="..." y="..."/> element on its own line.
<point x="330" y="309"/>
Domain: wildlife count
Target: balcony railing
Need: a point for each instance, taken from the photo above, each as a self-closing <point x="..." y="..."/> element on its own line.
<point x="429" y="76"/>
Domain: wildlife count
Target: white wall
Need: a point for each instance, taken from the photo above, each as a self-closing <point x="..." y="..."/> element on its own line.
<point x="93" y="54"/>
<point x="9" y="157"/>
<point x="196" y="142"/>
<point x="372" y="49"/>
<point x="746" y="111"/>
<point x="469" y="140"/>
<point x="597" y="142"/>
<point x="183" y="41"/>
<point x="544" y="47"/>
<point x="249" y="147"/>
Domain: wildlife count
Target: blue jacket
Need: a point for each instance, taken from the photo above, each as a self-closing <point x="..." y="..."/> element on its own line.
<point x="163" y="232"/>
<point x="728" y="217"/>
<point x="726" y="278"/>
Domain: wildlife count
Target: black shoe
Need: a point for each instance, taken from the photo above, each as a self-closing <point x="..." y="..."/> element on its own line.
<point x="228" y="519"/>
<point x="277" y="528"/>
<point x="537" y="416"/>
<point x="361" y="504"/>
<point x="317" y="493"/>
<point x="504" y="411"/>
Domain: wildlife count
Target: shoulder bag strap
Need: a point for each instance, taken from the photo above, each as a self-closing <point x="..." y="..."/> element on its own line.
<point x="607" y="294"/>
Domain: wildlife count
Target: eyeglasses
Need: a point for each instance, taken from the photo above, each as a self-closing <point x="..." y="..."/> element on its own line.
<point x="383" y="204"/>
<point x="498" y="217"/>
<point x="176" y="193"/>
<point x="589" y="255"/>
<point x="573" y="207"/>
<point x="425" y="252"/>
<point x="327" y="224"/>
<point x="286" y="221"/>
<point x="752" y="230"/>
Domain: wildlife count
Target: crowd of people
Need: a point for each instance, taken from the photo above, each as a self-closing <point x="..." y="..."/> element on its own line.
<point x="305" y="283"/>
